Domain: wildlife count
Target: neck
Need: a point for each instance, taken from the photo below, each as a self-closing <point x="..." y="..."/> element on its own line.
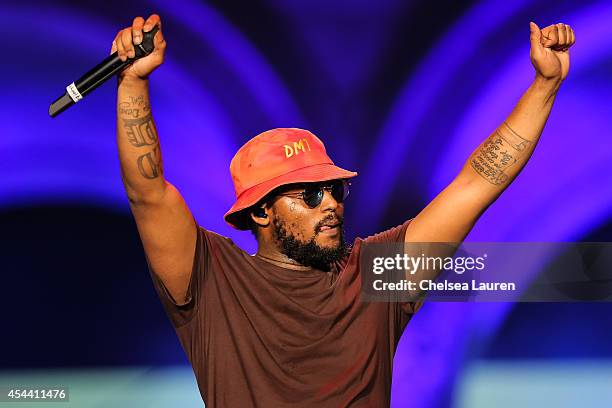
<point x="279" y="259"/>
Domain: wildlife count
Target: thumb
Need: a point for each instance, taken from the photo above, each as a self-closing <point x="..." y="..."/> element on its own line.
<point x="535" y="37"/>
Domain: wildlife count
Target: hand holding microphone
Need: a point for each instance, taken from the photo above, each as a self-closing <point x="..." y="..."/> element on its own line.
<point x="136" y="52"/>
<point x="127" y="44"/>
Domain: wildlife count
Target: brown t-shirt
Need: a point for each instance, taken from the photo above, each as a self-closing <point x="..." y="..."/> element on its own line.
<point x="259" y="335"/>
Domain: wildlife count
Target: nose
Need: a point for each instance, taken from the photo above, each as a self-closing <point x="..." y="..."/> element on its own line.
<point x="328" y="203"/>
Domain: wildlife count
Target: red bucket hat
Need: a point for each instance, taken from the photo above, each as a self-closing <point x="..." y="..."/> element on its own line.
<point x="275" y="158"/>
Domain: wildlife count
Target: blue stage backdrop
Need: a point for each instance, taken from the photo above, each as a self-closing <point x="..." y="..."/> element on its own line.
<point x="400" y="91"/>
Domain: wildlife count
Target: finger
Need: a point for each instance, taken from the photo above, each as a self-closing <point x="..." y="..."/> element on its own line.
<point x="159" y="41"/>
<point x="550" y="35"/>
<point x="120" y="47"/>
<point x="561" y="31"/>
<point x="137" y="25"/>
<point x="535" y="36"/>
<point x="126" y="40"/>
<point x="566" y="44"/>
<point x="159" y="44"/>
<point x="151" y="21"/>
<point x="568" y="37"/>
<point x="573" y="37"/>
<point x="114" y="46"/>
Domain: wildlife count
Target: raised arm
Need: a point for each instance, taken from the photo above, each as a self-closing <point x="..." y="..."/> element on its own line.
<point x="165" y="224"/>
<point x="498" y="159"/>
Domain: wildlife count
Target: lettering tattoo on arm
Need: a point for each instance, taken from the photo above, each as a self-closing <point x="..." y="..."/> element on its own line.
<point x="500" y="151"/>
<point x="133" y="106"/>
<point x="141" y="133"/>
<point x="516" y="141"/>
<point x="150" y="164"/>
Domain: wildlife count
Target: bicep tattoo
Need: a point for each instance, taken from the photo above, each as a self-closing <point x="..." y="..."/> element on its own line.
<point x="500" y="151"/>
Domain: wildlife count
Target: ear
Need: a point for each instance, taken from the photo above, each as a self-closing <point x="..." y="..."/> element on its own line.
<point x="259" y="215"/>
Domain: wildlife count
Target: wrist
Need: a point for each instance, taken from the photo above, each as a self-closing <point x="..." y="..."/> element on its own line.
<point x="549" y="86"/>
<point x="131" y="81"/>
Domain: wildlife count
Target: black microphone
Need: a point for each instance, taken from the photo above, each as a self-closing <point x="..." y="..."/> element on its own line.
<point x="100" y="73"/>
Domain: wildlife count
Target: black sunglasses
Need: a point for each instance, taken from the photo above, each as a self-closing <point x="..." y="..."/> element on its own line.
<point x="313" y="193"/>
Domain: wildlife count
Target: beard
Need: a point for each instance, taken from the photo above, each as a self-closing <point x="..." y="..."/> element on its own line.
<point x="310" y="253"/>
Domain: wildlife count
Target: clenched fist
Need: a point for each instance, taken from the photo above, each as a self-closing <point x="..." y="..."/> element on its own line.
<point x="550" y="50"/>
<point x="124" y="45"/>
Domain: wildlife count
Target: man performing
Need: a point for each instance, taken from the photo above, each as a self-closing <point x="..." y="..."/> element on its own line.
<point x="287" y="327"/>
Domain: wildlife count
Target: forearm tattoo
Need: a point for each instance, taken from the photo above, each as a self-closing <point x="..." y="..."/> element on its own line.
<point x="141" y="133"/>
<point x="134" y="106"/>
<point x="500" y="151"/>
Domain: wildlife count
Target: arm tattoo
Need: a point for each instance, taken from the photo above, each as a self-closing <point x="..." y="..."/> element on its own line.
<point x="516" y="141"/>
<point x="134" y="106"/>
<point x="497" y="153"/>
<point x="150" y="164"/>
<point x="141" y="131"/>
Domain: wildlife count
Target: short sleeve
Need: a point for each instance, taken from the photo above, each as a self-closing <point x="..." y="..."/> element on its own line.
<point x="181" y="314"/>
<point x="396" y="234"/>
